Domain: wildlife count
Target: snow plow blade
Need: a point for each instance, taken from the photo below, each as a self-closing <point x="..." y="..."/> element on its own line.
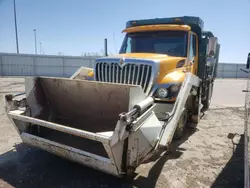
<point x="86" y="121"/>
<point x="109" y="127"/>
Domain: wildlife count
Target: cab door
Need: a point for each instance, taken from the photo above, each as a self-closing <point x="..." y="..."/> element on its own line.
<point x="193" y="53"/>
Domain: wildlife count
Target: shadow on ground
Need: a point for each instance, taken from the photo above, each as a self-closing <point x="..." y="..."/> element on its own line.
<point x="154" y="173"/>
<point x="232" y="174"/>
<point x="26" y="167"/>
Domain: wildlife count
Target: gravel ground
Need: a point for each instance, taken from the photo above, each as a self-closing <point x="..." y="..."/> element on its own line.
<point x="204" y="157"/>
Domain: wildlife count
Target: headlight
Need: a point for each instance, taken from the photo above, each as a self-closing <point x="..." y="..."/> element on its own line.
<point x="162" y="92"/>
<point x="174" y="88"/>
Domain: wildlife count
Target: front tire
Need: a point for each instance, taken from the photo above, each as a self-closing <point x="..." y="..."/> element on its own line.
<point x="181" y="125"/>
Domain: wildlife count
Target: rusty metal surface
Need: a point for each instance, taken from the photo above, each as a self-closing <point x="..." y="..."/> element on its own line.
<point x="90" y="106"/>
<point x="69" y="104"/>
<point x="61" y="128"/>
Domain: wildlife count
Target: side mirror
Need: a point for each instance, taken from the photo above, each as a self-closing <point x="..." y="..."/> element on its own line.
<point x="248" y="61"/>
<point x="210" y="61"/>
<point x="212" y="44"/>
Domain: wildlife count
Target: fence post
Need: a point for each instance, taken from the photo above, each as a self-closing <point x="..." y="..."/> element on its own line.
<point x="1" y="64"/>
<point x="223" y="67"/>
<point x="63" y="68"/>
<point x="34" y="66"/>
<point x="237" y="66"/>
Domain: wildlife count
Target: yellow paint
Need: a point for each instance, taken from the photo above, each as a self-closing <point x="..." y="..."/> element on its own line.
<point x="176" y="76"/>
<point x="167" y="70"/>
<point x="151" y="56"/>
<point x="162" y="27"/>
<point x="91" y="73"/>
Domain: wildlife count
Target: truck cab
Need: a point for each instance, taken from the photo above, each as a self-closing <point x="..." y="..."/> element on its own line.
<point x="173" y="46"/>
<point x="157" y="54"/>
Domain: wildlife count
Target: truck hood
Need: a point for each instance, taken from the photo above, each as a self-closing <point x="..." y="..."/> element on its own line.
<point x="161" y="58"/>
<point x="150" y="56"/>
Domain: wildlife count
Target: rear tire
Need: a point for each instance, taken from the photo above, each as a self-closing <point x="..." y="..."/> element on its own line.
<point x="181" y="125"/>
<point x="209" y="93"/>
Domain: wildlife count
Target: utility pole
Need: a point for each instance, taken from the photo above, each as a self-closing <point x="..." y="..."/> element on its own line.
<point x="35" y="40"/>
<point x="105" y="47"/>
<point x="40" y="48"/>
<point x="17" y="47"/>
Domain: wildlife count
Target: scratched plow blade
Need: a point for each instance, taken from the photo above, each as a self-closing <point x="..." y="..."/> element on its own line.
<point x="94" y="105"/>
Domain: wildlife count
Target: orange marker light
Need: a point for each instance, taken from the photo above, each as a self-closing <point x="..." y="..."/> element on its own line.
<point x="177" y="19"/>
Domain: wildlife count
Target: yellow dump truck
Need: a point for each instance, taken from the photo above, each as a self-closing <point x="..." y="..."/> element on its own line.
<point x="114" y="116"/>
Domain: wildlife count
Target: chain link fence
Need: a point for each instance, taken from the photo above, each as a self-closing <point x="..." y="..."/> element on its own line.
<point x="231" y="70"/>
<point x="65" y="66"/>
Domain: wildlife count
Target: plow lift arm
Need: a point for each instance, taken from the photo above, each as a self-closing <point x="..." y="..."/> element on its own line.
<point x="88" y="130"/>
<point x="170" y="126"/>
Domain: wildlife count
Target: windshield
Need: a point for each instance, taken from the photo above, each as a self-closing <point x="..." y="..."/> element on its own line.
<point x="172" y="43"/>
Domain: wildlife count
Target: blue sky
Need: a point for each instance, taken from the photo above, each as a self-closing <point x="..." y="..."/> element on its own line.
<point x="78" y="26"/>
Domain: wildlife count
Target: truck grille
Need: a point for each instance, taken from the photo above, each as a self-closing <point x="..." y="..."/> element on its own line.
<point x="135" y="74"/>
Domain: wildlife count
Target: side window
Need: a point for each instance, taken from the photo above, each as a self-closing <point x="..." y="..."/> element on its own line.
<point x="128" y="45"/>
<point x="194" y="44"/>
<point x="191" y="53"/>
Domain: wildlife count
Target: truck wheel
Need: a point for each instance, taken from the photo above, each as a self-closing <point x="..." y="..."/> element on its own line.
<point x="207" y="102"/>
<point x="181" y="125"/>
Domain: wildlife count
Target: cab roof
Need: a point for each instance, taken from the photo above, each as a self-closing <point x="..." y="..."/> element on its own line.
<point x="160" y="27"/>
<point x="195" y="23"/>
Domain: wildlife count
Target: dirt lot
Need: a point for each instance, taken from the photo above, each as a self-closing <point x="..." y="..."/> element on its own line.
<point x="205" y="157"/>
